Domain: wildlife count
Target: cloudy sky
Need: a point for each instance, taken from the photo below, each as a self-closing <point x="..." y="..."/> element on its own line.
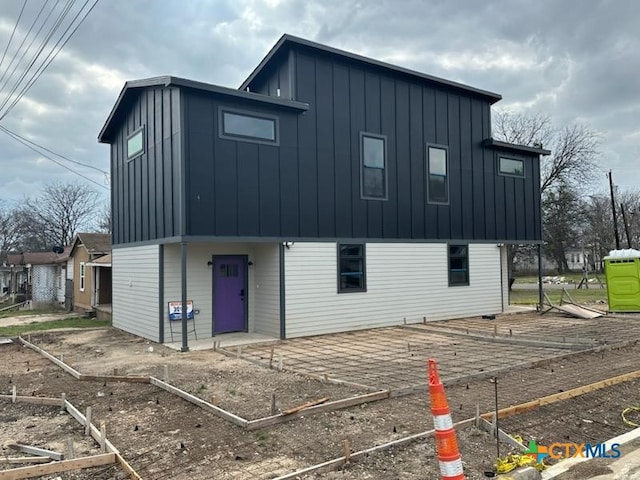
<point x="577" y="61"/>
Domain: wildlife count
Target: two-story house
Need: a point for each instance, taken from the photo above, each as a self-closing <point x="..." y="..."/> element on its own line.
<point x="329" y="192"/>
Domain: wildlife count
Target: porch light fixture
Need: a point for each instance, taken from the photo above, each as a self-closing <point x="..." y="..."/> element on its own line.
<point x="288" y="244"/>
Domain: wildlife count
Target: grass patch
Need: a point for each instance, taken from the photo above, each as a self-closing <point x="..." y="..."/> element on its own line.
<point x="21" y="313"/>
<point x="530" y="297"/>
<point x="74" y="322"/>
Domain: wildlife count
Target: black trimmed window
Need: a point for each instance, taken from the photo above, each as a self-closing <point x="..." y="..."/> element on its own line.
<point x="135" y="144"/>
<point x="512" y="167"/>
<point x="458" y="265"/>
<point x="351" y="268"/>
<point x="437" y="174"/>
<point x="248" y="126"/>
<point x="373" y="163"/>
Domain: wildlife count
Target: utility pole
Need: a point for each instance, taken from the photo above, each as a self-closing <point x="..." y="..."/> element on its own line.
<point x="626" y="225"/>
<point x="613" y="208"/>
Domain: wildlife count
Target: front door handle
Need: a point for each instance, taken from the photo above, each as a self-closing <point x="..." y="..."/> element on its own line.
<point x="242" y="293"/>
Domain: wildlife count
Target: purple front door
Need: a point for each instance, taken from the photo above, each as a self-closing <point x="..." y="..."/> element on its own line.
<point x="229" y="294"/>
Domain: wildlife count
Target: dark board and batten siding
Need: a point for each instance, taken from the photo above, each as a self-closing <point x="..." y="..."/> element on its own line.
<point x="346" y="98"/>
<point x="146" y="190"/>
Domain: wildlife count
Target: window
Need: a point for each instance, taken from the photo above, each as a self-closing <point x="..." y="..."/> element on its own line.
<point x="249" y="127"/>
<point x="135" y="144"/>
<point x="511" y="166"/>
<point x="437" y="175"/>
<point x="373" y="154"/>
<point x="458" y="265"/>
<point x="351" y="268"/>
<point x="82" y="275"/>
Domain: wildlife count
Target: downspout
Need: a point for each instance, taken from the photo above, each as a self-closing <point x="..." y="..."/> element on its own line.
<point x="183" y="219"/>
<point x="283" y="304"/>
<point x="161" y="293"/>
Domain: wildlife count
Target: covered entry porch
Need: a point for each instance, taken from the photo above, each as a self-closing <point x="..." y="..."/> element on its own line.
<point x="231" y="288"/>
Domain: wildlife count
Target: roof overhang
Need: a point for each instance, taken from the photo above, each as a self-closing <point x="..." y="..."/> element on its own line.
<point x="289" y="40"/>
<point x="512" y="147"/>
<point x="131" y="88"/>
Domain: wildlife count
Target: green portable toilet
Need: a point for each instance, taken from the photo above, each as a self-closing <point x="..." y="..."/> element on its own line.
<point x="622" y="271"/>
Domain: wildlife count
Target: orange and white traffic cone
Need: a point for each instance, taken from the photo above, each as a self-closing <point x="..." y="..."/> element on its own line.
<point x="446" y="443"/>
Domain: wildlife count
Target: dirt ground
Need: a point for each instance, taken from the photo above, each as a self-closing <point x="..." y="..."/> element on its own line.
<point x="163" y="436"/>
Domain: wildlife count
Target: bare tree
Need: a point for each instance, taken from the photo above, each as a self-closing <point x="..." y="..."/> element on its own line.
<point x="57" y="214"/>
<point x="574" y="149"/>
<point x="572" y="166"/>
<point x="104" y="219"/>
<point x="9" y="230"/>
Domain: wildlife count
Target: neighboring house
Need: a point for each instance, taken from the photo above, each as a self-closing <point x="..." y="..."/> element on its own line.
<point x="37" y="275"/>
<point x="330" y="192"/>
<point x="577" y="258"/>
<point x="86" y="249"/>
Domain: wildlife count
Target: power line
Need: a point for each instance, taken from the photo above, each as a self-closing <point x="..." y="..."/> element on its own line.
<point x="53" y="53"/>
<point x="7" y="132"/>
<point x="15" y="27"/>
<point x="14" y="134"/>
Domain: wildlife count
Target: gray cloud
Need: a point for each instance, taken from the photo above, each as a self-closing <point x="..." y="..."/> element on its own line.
<point x="573" y="60"/>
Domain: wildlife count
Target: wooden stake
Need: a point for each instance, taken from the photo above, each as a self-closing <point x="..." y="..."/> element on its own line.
<point x="408" y="347"/>
<point x="87" y="422"/>
<point x="477" y="415"/>
<point x="239" y="352"/>
<point x="166" y="373"/>
<point x="495" y="330"/>
<point x="63" y="398"/>
<point x="115" y="372"/>
<point x="424" y="320"/>
<point x="103" y="436"/>
<point x="70" y="450"/>
<point x="273" y="404"/>
<point x="347" y="450"/>
<point x="13" y="394"/>
<point x="280" y="362"/>
<point x="271" y="359"/>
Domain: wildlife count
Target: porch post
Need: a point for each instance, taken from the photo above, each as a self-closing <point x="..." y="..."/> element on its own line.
<point x="540" y="296"/>
<point x="283" y="325"/>
<point x="185" y="344"/>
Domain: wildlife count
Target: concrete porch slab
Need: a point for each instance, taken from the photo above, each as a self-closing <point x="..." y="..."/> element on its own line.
<point x="226" y="340"/>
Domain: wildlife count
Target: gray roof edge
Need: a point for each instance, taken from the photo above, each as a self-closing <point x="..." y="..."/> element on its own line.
<point x="168" y="80"/>
<point x="492" y="143"/>
<point x="492" y="96"/>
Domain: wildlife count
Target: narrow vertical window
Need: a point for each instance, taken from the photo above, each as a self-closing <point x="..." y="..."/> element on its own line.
<point x="458" y="265"/>
<point x="351" y="268"/>
<point x="82" y="276"/>
<point x="437" y="175"/>
<point x="135" y="144"/>
<point x="373" y="152"/>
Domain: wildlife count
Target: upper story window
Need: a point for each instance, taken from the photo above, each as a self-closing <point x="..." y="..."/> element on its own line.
<point x="373" y="153"/>
<point x="250" y="127"/>
<point x="437" y="174"/>
<point x="511" y="166"/>
<point x="351" y="268"/>
<point x="135" y="143"/>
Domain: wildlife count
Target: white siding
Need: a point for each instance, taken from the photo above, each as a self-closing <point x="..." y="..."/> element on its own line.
<point x="70" y="268"/>
<point x="403" y="281"/>
<point x="61" y="274"/>
<point x="43" y="283"/>
<point x="504" y="271"/>
<point x="135" y="285"/>
<point x="267" y="291"/>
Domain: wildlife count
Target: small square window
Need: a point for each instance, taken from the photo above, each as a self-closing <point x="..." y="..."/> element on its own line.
<point x="437" y="175"/>
<point x="511" y="166"/>
<point x="458" y="265"/>
<point x="135" y="144"/>
<point x="351" y="268"/>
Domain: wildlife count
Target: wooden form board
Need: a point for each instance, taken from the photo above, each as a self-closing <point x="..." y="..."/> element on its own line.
<point x="57" y="467"/>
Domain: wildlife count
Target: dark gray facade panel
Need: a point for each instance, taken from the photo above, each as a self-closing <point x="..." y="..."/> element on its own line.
<point x="342" y="150"/>
<point x="325" y="148"/>
<point x="308" y="186"/>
